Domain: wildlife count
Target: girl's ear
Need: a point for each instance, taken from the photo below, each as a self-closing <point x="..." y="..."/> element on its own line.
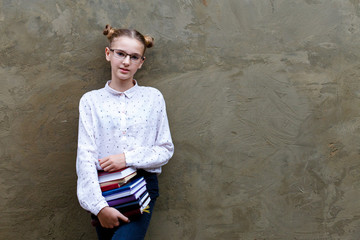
<point x="107" y="54"/>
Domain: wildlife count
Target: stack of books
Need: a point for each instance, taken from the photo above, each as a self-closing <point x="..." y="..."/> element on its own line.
<point x="125" y="191"/>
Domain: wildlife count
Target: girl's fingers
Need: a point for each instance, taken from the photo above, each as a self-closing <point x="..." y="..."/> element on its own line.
<point x="104" y="163"/>
<point x="123" y="218"/>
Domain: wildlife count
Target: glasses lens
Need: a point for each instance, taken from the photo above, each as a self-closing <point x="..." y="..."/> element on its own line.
<point x="135" y="57"/>
<point x="120" y="54"/>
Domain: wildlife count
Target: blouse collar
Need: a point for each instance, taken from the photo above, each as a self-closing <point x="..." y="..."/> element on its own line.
<point x="128" y="93"/>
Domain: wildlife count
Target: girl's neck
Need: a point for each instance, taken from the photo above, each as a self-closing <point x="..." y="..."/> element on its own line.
<point x="122" y="86"/>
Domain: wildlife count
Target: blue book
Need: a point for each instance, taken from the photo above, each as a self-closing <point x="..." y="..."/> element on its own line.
<point x="126" y="190"/>
<point x="131" y="198"/>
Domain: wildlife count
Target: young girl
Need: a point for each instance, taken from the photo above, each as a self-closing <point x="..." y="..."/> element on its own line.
<point x="121" y="125"/>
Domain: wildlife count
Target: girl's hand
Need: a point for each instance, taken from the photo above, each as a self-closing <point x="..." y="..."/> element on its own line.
<point x="109" y="217"/>
<point x="113" y="162"/>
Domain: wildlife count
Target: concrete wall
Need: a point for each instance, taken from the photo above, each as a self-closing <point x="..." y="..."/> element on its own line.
<point x="263" y="101"/>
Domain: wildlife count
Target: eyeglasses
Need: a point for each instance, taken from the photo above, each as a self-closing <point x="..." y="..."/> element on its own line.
<point x="135" y="58"/>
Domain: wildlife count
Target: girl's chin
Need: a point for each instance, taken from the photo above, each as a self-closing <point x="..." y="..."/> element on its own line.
<point x="124" y="75"/>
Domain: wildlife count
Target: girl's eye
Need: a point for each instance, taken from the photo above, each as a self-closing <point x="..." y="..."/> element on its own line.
<point x="135" y="57"/>
<point x="121" y="54"/>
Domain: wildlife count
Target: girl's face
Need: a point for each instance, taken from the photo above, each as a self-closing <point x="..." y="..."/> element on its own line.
<point x="125" y="57"/>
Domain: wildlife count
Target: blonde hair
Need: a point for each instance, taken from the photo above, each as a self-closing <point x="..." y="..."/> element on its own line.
<point x="112" y="33"/>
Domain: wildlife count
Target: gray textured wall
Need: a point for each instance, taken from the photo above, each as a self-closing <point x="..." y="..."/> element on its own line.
<point x="263" y="101"/>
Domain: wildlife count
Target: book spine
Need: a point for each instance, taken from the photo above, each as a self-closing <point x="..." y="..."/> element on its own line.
<point x="126" y="188"/>
<point x="128" y="208"/>
<point x="121" y="201"/>
<point x="132" y="212"/>
<point x="109" y="187"/>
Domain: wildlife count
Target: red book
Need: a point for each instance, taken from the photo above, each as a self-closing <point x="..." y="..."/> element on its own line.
<point x="105" y="186"/>
<point x="143" y="208"/>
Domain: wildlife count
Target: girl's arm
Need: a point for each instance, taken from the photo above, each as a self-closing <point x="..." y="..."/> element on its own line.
<point x="88" y="189"/>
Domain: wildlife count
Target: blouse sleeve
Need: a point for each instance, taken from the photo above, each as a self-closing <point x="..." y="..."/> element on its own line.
<point x="88" y="189"/>
<point x="162" y="150"/>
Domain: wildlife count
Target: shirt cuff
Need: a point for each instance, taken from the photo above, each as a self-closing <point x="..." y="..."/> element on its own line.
<point x="100" y="206"/>
<point x="129" y="159"/>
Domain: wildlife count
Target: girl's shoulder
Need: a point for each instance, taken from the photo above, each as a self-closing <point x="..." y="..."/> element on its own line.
<point x="154" y="92"/>
<point x="93" y="95"/>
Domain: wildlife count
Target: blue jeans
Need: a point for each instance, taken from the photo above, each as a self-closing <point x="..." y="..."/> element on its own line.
<point x="136" y="229"/>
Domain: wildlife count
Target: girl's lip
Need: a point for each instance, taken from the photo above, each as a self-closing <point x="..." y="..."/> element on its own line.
<point x="124" y="70"/>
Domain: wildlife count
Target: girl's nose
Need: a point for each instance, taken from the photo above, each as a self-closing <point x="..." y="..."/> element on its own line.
<point x="126" y="60"/>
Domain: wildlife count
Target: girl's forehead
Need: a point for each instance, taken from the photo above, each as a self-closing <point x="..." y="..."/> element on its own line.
<point x="128" y="44"/>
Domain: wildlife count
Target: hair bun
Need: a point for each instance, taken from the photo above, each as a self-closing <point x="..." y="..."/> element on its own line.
<point x="149" y="41"/>
<point x="108" y="31"/>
